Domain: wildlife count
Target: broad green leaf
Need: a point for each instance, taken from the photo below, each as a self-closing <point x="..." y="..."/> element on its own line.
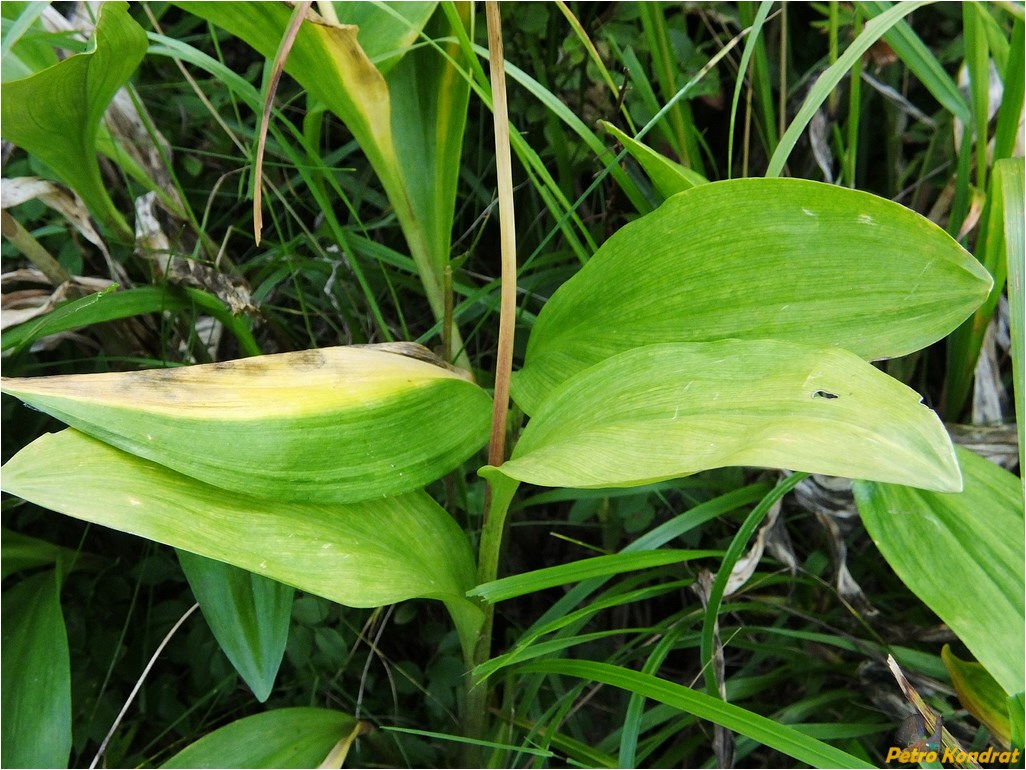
<point x="574" y="572"/>
<point x="248" y="615"/>
<point x="662" y="411"/>
<point x="55" y="114"/>
<point x="758" y="258"/>
<point x="668" y="177"/>
<point x="36" y="676"/>
<point x="331" y="425"/>
<point x="288" y="737"/>
<point x="962" y="555"/>
<point x="979" y="694"/>
<point x="783" y="738"/>
<point x="362" y="554"/>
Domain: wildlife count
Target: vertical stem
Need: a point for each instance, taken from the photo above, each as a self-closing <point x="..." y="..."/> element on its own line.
<point x="500" y="492"/>
<point x="507" y="238"/>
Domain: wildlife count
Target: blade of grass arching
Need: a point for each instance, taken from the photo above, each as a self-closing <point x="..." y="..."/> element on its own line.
<point x="472" y="741"/>
<point x="656" y="538"/>
<point x="784" y="739"/>
<point x="636" y="705"/>
<point x="1006" y="130"/>
<point x="113" y="305"/>
<point x="1009" y="174"/>
<point x="828" y="81"/>
<point x="527" y="646"/>
<point x="920" y="61"/>
<point x="599" y="566"/>
<point x="575" y="750"/>
<point x="755" y="46"/>
<point x="737" y="546"/>
<point x="977" y="59"/>
<point x="554" y="104"/>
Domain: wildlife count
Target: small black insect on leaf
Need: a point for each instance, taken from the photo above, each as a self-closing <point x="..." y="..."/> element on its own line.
<point x="824" y="394"/>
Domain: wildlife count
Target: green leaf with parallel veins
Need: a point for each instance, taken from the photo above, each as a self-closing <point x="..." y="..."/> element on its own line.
<point x="362" y="554"/>
<point x="289" y="737"/>
<point x="668" y="177"/>
<point x="758" y="259"/>
<point x="331" y="425"/>
<point x="36" y="678"/>
<point x="248" y="615"/>
<point x="55" y="114"/>
<point x="963" y="556"/>
<point x="662" y="411"/>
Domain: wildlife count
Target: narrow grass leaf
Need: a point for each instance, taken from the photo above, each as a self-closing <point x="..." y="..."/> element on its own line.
<point x="55" y="114"/>
<point x="287" y="738"/>
<point x="248" y="614"/>
<point x="363" y="554"/>
<point x="113" y="305"/>
<point x="921" y="62"/>
<point x="783" y="738"/>
<point x="875" y="29"/>
<point x="331" y="425"/>
<point x="36" y="717"/>
<point x="962" y="555"/>
<point x="662" y="411"/>
<point x="758" y="258"/>
<point x="599" y="566"/>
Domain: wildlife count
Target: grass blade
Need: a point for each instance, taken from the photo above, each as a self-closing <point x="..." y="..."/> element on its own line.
<point x="784" y="739"/>
<point x="828" y="81"/>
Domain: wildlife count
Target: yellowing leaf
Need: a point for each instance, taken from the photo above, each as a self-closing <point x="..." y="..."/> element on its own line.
<point x="662" y="411"/>
<point x="331" y="425"/>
